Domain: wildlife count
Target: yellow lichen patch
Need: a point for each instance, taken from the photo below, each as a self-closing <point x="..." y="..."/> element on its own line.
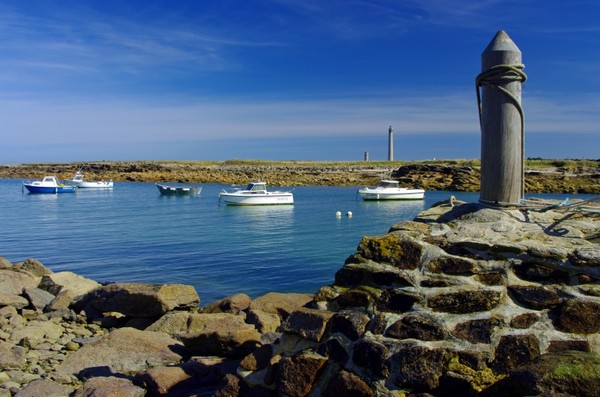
<point x="391" y="248"/>
<point x="480" y="379"/>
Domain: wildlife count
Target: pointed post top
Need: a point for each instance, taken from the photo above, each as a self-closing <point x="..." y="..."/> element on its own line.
<point x="502" y="42"/>
<point x="501" y="51"/>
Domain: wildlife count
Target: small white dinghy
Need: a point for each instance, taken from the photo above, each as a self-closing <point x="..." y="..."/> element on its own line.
<point x="174" y="190"/>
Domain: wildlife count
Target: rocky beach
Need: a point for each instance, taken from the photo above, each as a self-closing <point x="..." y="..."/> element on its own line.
<point x="462" y="300"/>
<point x="548" y="176"/>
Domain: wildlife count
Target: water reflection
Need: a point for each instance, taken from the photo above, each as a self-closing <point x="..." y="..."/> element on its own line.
<point x="84" y="193"/>
<point x="265" y="231"/>
<point x="264" y="218"/>
<point x="396" y="205"/>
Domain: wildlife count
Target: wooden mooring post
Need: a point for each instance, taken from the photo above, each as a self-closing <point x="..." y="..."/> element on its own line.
<point x="502" y="126"/>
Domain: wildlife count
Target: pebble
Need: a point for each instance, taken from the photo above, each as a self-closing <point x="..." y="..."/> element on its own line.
<point x="72" y="346"/>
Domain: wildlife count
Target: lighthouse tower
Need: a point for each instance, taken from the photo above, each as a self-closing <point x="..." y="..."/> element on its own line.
<point x="391" y="144"/>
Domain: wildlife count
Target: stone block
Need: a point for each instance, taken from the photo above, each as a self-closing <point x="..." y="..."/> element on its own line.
<point x="515" y="350"/>
<point x="394" y="249"/>
<point x="354" y="298"/>
<point x="534" y="296"/>
<point x="345" y="383"/>
<point x="466" y="301"/>
<point x="524" y="321"/>
<point x="477" y="331"/>
<point x="350" y="323"/>
<point x="419" y="368"/>
<point x="578" y="317"/>
<point x="397" y="301"/>
<point x="298" y="374"/>
<point x="308" y="323"/>
<point x="453" y="265"/>
<point x="417" y="326"/>
<point x="372" y="356"/>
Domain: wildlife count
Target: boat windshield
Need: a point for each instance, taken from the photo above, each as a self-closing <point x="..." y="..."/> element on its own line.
<point x="256" y="187"/>
<point x="388" y="184"/>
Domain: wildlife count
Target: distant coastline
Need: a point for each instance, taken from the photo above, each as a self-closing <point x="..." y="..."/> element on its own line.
<point x="541" y="176"/>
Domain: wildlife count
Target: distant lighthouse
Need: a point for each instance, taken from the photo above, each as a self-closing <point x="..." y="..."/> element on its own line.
<point x="391" y="144"/>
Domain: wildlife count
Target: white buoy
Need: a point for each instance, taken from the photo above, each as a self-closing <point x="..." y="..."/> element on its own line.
<point x="349" y="214"/>
<point x="338" y="214"/>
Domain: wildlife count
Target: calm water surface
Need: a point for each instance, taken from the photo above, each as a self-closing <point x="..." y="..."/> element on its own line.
<point x="132" y="233"/>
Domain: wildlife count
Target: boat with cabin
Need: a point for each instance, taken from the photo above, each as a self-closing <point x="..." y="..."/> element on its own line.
<point x="79" y="182"/>
<point x="256" y="193"/>
<point x="50" y="184"/>
<point x="391" y="190"/>
<point x="170" y="190"/>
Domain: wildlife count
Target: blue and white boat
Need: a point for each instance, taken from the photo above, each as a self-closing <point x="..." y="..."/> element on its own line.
<point x="49" y="184"/>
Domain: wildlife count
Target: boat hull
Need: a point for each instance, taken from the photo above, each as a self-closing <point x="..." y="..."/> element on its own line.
<point x="49" y="189"/>
<point x="93" y="185"/>
<point x="257" y="199"/>
<point x="178" y="190"/>
<point x="402" y="194"/>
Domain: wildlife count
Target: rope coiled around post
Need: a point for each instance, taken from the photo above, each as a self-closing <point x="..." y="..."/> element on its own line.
<point x="499" y="75"/>
<point x="494" y="78"/>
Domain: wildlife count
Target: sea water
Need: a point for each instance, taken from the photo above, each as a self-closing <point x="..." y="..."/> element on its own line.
<point x="133" y="234"/>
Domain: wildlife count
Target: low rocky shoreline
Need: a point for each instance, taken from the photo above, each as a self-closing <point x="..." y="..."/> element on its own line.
<point x="447" y="176"/>
<point x="463" y="300"/>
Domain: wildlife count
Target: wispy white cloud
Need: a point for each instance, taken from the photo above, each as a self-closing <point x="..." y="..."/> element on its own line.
<point x="113" y="121"/>
<point x="88" y="42"/>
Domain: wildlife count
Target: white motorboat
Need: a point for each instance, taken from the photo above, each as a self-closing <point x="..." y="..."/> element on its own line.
<point x="49" y="184"/>
<point x="390" y="190"/>
<point x="79" y="182"/>
<point x="256" y="194"/>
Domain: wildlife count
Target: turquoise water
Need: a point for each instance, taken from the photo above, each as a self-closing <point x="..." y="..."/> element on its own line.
<point x="134" y="234"/>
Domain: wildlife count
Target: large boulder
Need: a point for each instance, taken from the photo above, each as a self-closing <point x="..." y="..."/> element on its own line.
<point x="140" y="300"/>
<point x="234" y="304"/>
<point x="123" y="351"/>
<point x="280" y="303"/>
<point x="46" y="388"/>
<point x="308" y="323"/>
<point x="210" y="334"/>
<point x="16" y="301"/>
<point x="38" y="298"/>
<point x="12" y="282"/>
<point x="57" y="282"/>
<point x="198" y="377"/>
<point x="109" y="386"/>
<point x="32" y="267"/>
<point x="11" y="355"/>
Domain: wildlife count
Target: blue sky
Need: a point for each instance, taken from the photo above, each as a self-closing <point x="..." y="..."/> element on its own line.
<point x="286" y="79"/>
